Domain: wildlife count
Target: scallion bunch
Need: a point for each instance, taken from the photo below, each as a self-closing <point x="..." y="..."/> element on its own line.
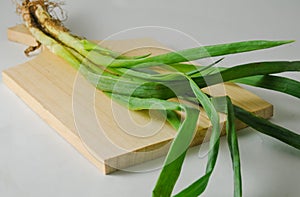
<point x="133" y="82"/>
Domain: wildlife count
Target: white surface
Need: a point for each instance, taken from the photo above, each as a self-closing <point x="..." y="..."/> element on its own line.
<point x="35" y="161"/>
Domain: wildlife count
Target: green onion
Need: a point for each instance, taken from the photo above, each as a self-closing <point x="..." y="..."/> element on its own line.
<point x="132" y="82"/>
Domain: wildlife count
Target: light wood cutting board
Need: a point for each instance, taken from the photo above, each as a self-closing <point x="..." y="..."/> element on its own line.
<point x="107" y="134"/>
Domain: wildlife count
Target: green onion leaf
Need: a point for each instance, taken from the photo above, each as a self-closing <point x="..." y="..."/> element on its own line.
<point x="199" y="186"/>
<point x="201" y="69"/>
<point x="251" y="69"/>
<point x="135" y="103"/>
<point x="175" y="157"/>
<point x="199" y="53"/>
<point x="234" y="148"/>
<point x="195" y="188"/>
<point x="277" y="83"/>
<point x="268" y="128"/>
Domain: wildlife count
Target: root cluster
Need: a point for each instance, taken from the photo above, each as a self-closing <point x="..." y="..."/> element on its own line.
<point x="28" y="8"/>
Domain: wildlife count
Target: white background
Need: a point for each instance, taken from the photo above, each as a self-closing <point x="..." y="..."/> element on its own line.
<point x="35" y="161"/>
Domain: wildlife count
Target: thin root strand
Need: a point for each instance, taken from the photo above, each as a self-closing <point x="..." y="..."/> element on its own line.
<point x="31" y="49"/>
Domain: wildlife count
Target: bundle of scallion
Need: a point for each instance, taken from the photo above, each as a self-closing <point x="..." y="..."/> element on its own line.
<point x="133" y="82"/>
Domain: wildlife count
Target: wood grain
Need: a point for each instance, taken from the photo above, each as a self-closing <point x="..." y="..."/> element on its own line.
<point x="107" y="134"/>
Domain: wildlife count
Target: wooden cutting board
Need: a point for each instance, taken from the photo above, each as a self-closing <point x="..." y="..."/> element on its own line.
<point x="107" y="134"/>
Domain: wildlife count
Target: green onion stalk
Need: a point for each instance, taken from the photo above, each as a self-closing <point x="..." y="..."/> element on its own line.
<point x="127" y="80"/>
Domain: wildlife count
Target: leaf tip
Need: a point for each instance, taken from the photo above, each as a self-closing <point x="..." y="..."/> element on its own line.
<point x="287" y="41"/>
